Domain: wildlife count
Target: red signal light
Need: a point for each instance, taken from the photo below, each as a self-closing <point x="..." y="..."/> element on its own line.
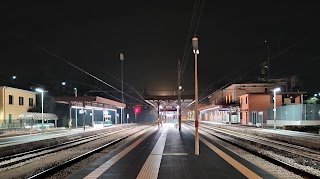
<point x="137" y="109"/>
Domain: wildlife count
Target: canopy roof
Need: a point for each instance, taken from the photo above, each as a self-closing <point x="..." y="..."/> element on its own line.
<point x="38" y="116"/>
<point x="93" y="101"/>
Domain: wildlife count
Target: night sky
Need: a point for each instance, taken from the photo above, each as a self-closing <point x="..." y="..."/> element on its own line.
<point x="153" y="35"/>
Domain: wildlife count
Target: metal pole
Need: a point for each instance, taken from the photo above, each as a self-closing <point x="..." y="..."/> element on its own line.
<point x="196" y="52"/>
<point x="76" y="117"/>
<point x="268" y="65"/>
<point x="70" y="118"/>
<point x="135" y="117"/>
<point x="179" y="95"/>
<point x="274" y="109"/>
<point x="196" y="105"/>
<point x="122" y="59"/>
<point x="42" y="109"/>
<point x="76" y="111"/>
<point x="158" y="111"/>
<point x="84" y="117"/>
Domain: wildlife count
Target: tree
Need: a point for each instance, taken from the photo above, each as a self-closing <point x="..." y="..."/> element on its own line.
<point x="312" y="100"/>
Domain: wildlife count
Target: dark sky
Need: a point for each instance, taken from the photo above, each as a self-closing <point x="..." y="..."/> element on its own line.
<point x="152" y="35"/>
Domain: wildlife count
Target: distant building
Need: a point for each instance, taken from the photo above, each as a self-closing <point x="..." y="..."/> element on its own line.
<point x="232" y="93"/>
<point x="231" y="104"/>
<point x="225" y="104"/>
<point x="254" y="106"/>
<point x="14" y="102"/>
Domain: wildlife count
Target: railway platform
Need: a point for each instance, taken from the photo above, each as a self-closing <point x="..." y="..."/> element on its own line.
<point x="167" y="153"/>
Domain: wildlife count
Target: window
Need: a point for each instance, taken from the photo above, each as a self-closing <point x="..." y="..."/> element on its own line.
<point x="247" y="100"/>
<point x="30" y="101"/>
<point x="21" y="101"/>
<point x="10" y="99"/>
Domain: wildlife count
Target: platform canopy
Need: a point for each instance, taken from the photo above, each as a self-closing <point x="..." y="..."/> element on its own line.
<point x="169" y="102"/>
<point x="37" y="116"/>
<point x="93" y="102"/>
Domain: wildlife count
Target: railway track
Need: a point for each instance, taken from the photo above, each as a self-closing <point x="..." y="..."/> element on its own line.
<point x="57" y="168"/>
<point x="293" y="149"/>
<point x="22" y="157"/>
<point x="258" y="145"/>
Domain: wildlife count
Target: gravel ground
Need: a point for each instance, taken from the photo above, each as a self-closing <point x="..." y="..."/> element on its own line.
<point x="27" y="168"/>
<point x="277" y="171"/>
<point x="275" y="154"/>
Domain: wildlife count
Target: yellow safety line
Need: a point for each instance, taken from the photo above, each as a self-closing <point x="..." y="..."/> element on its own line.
<point x="241" y="168"/>
<point x="151" y="166"/>
<point x="100" y="170"/>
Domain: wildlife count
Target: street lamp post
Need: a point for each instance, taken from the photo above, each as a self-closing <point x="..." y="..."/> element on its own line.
<point x="13" y="79"/>
<point x="179" y="95"/>
<point x="274" y="106"/>
<point x="196" y="52"/>
<point x="122" y="59"/>
<point x="76" y="110"/>
<point x="41" y="91"/>
<point x="63" y="85"/>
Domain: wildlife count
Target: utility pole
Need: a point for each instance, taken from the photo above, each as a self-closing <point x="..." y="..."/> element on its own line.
<point x="122" y="109"/>
<point x="158" y="111"/>
<point x="196" y="52"/>
<point x="179" y="94"/>
<point x="268" y="65"/>
<point x="76" y="110"/>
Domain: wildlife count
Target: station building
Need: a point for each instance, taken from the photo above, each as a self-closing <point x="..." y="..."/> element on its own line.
<point x="13" y="102"/>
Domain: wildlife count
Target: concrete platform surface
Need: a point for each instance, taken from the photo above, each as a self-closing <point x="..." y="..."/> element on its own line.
<point x="169" y="154"/>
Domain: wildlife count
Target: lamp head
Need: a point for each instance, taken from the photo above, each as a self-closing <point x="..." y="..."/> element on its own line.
<point x="276" y="89"/>
<point x="195" y="45"/>
<point x="39" y="90"/>
<point x="121" y="57"/>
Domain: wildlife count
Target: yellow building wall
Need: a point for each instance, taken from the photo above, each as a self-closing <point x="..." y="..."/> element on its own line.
<point x="1" y="105"/>
<point x="14" y="109"/>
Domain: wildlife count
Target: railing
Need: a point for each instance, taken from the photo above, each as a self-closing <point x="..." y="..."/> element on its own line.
<point x="296" y="112"/>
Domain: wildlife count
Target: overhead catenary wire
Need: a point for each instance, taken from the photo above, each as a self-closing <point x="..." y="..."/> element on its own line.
<point x="195" y="6"/>
<point x="100" y="90"/>
<point x="126" y="84"/>
<point x="257" y="66"/>
<point x="253" y="68"/>
<point x="190" y="46"/>
<point x="89" y="74"/>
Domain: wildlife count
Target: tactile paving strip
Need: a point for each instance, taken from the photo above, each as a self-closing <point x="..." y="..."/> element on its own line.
<point x="150" y="168"/>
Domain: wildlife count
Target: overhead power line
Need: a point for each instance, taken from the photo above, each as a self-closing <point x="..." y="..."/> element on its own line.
<point x="100" y="90"/>
<point x="89" y="74"/>
<point x="126" y="84"/>
<point x="185" y="60"/>
<point x="195" y="6"/>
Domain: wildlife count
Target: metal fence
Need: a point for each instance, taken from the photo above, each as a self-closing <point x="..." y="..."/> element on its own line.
<point x="296" y="112"/>
<point x="25" y="124"/>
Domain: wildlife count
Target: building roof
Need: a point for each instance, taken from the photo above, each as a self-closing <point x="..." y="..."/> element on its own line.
<point x="211" y="106"/>
<point x="38" y="116"/>
<point x="278" y="93"/>
<point x="95" y="101"/>
<point x="17" y="89"/>
<point x="168" y="97"/>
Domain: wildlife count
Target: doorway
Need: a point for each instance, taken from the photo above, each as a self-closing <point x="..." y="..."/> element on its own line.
<point x="254" y="118"/>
